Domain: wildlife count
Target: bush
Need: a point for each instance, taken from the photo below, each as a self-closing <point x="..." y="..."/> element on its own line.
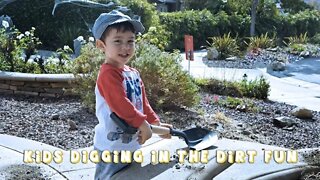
<point x="167" y="85"/>
<point x="145" y="10"/>
<point x="13" y="45"/>
<point x="199" y="24"/>
<point x="262" y="41"/>
<point x="258" y="88"/>
<point x="226" y="46"/>
<point x="51" y="29"/>
<point x="85" y="69"/>
<point x="315" y="39"/>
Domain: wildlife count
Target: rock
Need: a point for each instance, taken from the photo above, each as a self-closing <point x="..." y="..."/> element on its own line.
<point x="305" y="54"/>
<point x="246" y="132"/>
<point x="234" y="58"/>
<point x="278" y="66"/>
<point x="72" y="125"/>
<point x="283" y="121"/>
<point x="302" y="113"/>
<point x="55" y="117"/>
<point x="212" y="53"/>
<point x="242" y="108"/>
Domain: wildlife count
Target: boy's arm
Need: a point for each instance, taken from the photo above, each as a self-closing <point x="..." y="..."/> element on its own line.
<point x="152" y="117"/>
<point x="110" y="87"/>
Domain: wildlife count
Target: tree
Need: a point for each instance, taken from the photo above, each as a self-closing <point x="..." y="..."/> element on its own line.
<point x="294" y="6"/>
<point x="253" y="16"/>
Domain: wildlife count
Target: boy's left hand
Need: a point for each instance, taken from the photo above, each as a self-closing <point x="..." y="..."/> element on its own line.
<point x="165" y="136"/>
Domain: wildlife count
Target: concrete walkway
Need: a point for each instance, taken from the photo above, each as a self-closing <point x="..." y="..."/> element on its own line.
<point x="289" y="86"/>
<point x="13" y="153"/>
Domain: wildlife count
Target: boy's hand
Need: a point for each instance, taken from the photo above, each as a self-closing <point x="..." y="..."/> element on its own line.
<point x="165" y="136"/>
<point x="145" y="132"/>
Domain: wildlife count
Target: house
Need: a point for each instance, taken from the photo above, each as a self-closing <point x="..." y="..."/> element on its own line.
<point x="167" y="5"/>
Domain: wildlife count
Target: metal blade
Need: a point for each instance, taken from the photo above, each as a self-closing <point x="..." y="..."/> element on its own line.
<point x="207" y="141"/>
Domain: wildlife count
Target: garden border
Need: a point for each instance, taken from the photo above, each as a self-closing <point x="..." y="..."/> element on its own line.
<point x="45" y="85"/>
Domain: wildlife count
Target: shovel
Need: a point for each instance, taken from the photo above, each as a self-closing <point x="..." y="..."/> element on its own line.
<point x="196" y="138"/>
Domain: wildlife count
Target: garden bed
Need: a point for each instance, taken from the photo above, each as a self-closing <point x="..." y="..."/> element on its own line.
<point x="51" y="121"/>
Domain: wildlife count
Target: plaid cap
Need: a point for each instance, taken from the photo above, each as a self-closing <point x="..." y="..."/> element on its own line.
<point x="113" y="17"/>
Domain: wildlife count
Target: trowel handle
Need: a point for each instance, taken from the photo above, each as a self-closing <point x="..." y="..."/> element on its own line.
<point x="160" y="130"/>
<point x="165" y="130"/>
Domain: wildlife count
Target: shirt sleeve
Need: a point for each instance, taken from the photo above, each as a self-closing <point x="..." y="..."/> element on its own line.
<point x="152" y="117"/>
<point x="111" y="88"/>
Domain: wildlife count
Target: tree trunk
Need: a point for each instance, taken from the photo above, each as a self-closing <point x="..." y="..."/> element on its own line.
<point x="253" y="16"/>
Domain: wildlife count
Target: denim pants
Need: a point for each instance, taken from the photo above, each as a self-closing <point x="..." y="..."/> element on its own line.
<point x="104" y="171"/>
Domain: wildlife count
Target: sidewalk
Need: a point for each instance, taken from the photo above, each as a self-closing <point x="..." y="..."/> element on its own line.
<point x="287" y="89"/>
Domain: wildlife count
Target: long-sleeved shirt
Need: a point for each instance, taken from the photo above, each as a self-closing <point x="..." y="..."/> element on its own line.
<point x="122" y="91"/>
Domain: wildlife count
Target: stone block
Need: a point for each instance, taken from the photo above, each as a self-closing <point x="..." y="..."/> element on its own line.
<point x="37" y="84"/>
<point x="5" y="91"/>
<point x="27" y="93"/>
<point x="13" y="87"/>
<point x="31" y="89"/>
<point x="47" y="95"/>
<point x="60" y="85"/>
<point x="54" y="90"/>
<point x="4" y="86"/>
<point x="17" y="83"/>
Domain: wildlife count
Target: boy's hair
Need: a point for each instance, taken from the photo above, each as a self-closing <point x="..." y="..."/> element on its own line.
<point x="120" y="27"/>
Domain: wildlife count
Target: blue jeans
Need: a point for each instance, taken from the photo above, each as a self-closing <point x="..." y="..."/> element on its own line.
<point x="105" y="171"/>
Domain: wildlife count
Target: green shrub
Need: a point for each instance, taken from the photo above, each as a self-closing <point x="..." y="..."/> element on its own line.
<point x="215" y="86"/>
<point x="301" y="39"/>
<point x="258" y="88"/>
<point x="199" y="24"/>
<point x="157" y="36"/>
<point x="240" y="104"/>
<point x="145" y="10"/>
<point x="225" y="45"/>
<point x="38" y="13"/>
<point x="315" y="39"/>
<point x="85" y="69"/>
<point x="12" y="46"/>
<point x="262" y="41"/>
<point x="167" y="85"/>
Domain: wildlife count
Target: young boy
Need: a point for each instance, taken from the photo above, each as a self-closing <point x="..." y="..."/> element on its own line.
<point x="119" y="89"/>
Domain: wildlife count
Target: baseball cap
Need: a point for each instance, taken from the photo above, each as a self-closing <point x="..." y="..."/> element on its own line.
<point x="113" y="17"/>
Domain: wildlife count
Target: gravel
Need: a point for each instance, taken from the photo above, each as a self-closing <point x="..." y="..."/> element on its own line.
<point x="47" y="120"/>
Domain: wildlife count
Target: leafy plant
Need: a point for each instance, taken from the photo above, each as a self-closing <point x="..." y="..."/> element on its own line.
<point x="240" y="104"/>
<point x="13" y="45"/>
<point x="263" y="41"/>
<point x="301" y="39"/>
<point x="258" y="88"/>
<point x="226" y="45"/>
<point x="85" y="69"/>
<point x="156" y="36"/>
<point x="167" y="85"/>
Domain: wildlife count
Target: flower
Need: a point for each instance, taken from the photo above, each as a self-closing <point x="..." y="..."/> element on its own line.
<point x="27" y="33"/>
<point x="80" y="38"/>
<point x="5" y="24"/>
<point x="66" y="47"/>
<point x="20" y="36"/>
<point x="30" y="61"/>
<point x="91" y="39"/>
<point x="33" y="28"/>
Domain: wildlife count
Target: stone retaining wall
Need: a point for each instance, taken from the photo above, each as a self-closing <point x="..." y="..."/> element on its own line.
<point x="46" y="85"/>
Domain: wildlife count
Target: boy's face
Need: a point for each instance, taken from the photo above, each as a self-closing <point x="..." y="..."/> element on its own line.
<point x="118" y="47"/>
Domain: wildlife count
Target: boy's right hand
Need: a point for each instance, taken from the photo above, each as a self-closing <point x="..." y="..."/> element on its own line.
<point x="144" y="132"/>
